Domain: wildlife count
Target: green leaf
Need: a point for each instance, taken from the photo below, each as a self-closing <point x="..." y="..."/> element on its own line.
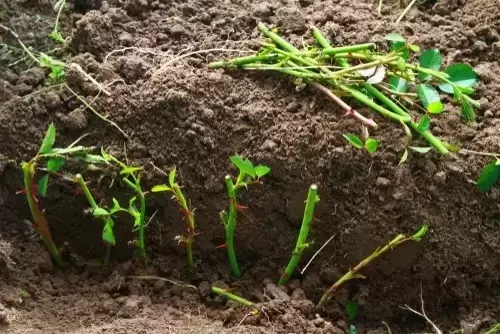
<point x="489" y="176"/>
<point x="420" y="149"/>
<point x="43" y="183"/>
<point x="395" y="38"/>
<point x="129" y="170"/>
<point x="107" y="232"/>
<point x="414" y="48"/>
<point x="398" y="84"/>
<point x="261" y="170"/>
<point x="354" y="140"/>
<point x="352" y="329"/>
<point x="54" y="164"/>
<point x="430" y="98"/>
<point x="403" y="158"/>
<point x="424" y="123"/>
<point x="468" y="113"/>
<point x="371" y="145"/>
<point x="171" y="177"/>
<point x="71" y="150"/>
<point x="461" y="75"/>
<point x="93" y="159"/>
<point x="116" y="206"/>
<point x="351" y="308"/>
<point x="160" y="188"/>
<point x="48" y="140"/>
<point x="99" y="212"/>
<point x="420" y="234"/>
<point x="430" y="59"/>
<point x="401" y="47"/>
<point x="244" y="165"/>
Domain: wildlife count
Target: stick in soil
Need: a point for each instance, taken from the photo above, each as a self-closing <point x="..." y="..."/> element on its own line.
<point x="353" y="273"/>
<point x="186" y="210"/>
<point x="312" y="199"/>
<point x="233" y="297"/>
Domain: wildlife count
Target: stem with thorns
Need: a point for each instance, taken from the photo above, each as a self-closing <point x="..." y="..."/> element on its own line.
<point x="232" y="297"/>
<point x="106" y="219"/>
<point x="353" y="273"/>
<point x="40" y="222"/>
<point x="137" y="188"/>
<point x="189" y="217"/>
<point x="230" y="221"/>
<point x="312" y="199"/>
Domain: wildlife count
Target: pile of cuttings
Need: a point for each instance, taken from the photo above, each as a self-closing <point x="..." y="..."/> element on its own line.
<point x="389" y="83"/>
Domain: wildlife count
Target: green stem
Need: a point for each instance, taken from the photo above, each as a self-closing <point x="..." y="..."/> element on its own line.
<point x="237" y="62"/>
<point x="189" y="216"/>
<point x="40" y="222"/>
<point x="301" y="244"/>
<point x="94" y="206"/>
<point x="284" y="45"/>
<point x="137" y="188"/>
<point x="353" y="272"/>
<point x="347" y="49"/>
<point x="230" y="224"/>
<point x="232" y="297"/>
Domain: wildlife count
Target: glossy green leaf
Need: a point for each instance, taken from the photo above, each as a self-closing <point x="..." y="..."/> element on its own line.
<point x="424" y="123"/>
<point x="404" y="157"/>
<point x="430" y="98"/>
<point x="430" y="59"/>
<point x="54" y="164"/>
<point x="354" y="140"/>
<point x="99" y="212"/>
<point x="107" y="232"/>
<point x="261" y="170"/>
<point x="420" y="149"/>
<point x="48" y="140"/>
<point x="461" y="75"/>
<point x="395" y="38"/>
<point x="43" y="184"/>
<point x="371" y="145"/>
<point x="245" y="166"/>
<point x="171" y="177"/>
<point x="489" y="176"/>
<point x="160" y="188"/>
<point x="398" y="84"/>
<point x="352" y="309"/>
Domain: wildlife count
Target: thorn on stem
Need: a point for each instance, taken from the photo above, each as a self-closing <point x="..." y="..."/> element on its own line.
<point x="224" y="245"/>
<point x="240" y="207"/>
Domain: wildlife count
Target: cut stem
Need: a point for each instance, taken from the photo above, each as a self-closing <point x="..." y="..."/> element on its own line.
<point x="93" y="205"/>
<point x="353" y="273"/>
<point x="312" y="198"/>
<point x="39" y="221"/>
<point x="230" y="223"/>
<point x="232" y="297"/>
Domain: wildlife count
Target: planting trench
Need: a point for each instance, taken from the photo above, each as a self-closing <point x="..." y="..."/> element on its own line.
<point x="194" y="118"/>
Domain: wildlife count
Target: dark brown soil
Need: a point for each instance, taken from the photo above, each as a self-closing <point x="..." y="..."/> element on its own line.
<point x="177" y="112"/>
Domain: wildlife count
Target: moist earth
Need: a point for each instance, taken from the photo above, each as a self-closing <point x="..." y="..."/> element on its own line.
<point x="176" y="112"/>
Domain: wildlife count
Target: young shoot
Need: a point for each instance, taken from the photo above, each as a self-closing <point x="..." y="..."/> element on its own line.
<point x="132" y="178"/>
<point x="312" y="199"/>
<point x="55" y="159"/>
<point x="186" y="210"/>
<point x="353" y="273"/>
<point x="248" y="174"/>
<point x="55" y="35"/>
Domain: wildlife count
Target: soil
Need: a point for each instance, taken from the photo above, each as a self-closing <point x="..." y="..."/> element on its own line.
<point x="175" y="111"/>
